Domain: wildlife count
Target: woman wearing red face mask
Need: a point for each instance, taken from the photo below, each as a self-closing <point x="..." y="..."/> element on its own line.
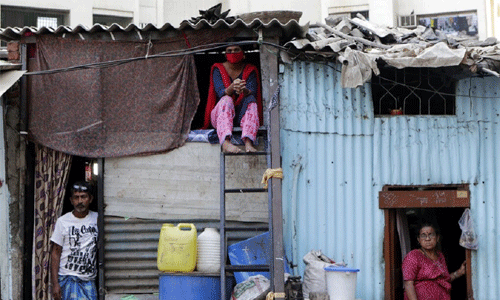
<point x="234" y="98"/>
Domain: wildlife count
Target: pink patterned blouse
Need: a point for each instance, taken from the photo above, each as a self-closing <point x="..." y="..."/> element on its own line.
<point x="431" y="278"/>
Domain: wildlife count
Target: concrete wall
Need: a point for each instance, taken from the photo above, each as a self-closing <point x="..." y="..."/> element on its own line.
<point x="12" y="170"/>
<point x="177" y="11"/>
<point x="124" y="8"/>
<point x="80" y="12"/>
<point x="384" y="12"/>
<point x="5" y="268"/>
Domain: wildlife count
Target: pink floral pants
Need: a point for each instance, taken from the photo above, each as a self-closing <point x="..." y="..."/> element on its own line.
<point x="222" y="119"/>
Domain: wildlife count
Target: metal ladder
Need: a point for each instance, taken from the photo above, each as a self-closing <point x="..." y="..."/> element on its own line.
<point x="225" y="267"/>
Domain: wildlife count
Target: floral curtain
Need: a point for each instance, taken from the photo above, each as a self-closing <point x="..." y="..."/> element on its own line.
<point x="51" y="177"/>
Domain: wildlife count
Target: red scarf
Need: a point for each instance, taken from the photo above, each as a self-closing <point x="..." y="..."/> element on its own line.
<point x="212" y="95"/>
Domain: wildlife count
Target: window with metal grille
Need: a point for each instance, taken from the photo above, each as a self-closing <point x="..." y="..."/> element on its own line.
<point x="413" y="91"/>
<point x="46" y="22"/>
<point x="15" y="16"/>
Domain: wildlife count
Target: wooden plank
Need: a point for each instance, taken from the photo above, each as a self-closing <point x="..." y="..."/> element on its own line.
<point x="183" y="184"/>
<point x="429" y="198"/>
<point x="269" y="70"/>
<point x="389" y="244"/>
<point x="468" y="274"/>
<point x="100" y="225"/>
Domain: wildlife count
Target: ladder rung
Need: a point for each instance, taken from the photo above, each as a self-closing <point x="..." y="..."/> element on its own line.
<point x="246" y="153"/>
<point x="249" y="190"/>
<point x="262" y="129"/>
<point x="248" y="268"/>
<point x="246" y="228"/>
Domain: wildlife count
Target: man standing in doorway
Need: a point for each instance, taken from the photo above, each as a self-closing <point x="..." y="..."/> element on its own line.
<point x="74" y="248"/>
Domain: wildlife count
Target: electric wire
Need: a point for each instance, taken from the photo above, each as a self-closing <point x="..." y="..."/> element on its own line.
<point x="166" y="54"/>
<point x="217" y="46"/>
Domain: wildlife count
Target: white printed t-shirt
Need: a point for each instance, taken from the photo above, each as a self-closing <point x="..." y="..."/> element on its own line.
<point x="78" y="238"/>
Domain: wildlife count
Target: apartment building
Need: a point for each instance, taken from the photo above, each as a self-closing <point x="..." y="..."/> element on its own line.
<point x="472" y="18"/>
<point x="53" y="13"/>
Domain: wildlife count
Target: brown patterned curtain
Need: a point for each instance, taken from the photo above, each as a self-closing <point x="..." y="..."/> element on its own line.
<point x="51" y="177"/>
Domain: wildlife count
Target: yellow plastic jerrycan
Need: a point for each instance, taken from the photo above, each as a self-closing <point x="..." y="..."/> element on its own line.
<point x="177" y="248"/>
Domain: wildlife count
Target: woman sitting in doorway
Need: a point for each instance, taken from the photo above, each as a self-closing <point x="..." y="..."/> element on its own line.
<point x="234" y="98"/>
<point x="425" y="273"/>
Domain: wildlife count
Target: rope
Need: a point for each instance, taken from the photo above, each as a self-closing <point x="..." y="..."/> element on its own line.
<point x="271" y="173"/>
<point x="272" y="295"/>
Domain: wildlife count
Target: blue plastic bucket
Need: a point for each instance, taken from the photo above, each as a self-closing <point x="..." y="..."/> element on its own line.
<point x="191" y="286"/>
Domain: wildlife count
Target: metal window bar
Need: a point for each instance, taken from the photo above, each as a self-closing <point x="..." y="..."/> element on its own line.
<point x="412" y="91"/>
<point x="402" y="87"/>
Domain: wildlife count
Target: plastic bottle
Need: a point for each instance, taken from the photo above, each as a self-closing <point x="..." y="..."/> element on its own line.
<point x="209" y="251"/>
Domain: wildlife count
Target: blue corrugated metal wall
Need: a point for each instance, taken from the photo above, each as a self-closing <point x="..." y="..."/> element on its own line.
<point x="347" y="155"/>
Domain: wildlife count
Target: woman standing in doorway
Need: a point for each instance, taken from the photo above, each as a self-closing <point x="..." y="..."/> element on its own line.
<point x="425" y="273"/>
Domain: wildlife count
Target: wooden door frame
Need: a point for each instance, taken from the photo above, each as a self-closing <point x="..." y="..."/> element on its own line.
<point x="433" y="196"/>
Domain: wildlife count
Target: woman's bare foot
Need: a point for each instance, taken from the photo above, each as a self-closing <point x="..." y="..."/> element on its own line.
<point x="249" y="146"/>
<point x="227" y="147"/>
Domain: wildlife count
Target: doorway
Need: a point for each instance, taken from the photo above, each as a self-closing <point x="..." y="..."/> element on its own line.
<point x="82" y="169"/>
<point x="447" y="221"/>
<point x="407" y="206"/>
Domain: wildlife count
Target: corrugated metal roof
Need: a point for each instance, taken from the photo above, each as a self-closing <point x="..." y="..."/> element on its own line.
<point x="6" y="66"/>
<point x="368" y="35"/>
<point x="347" y="155"/>
<point x="291" y="28"/>
<point x="357" y="43"/>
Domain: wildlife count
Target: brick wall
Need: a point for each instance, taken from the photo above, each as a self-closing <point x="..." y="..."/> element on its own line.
<point x="13" y="53"/>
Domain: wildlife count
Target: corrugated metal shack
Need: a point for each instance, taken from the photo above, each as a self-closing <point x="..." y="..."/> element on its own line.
<point x="341" y="150"/>
<point x="350" y="170"/>
<point x="141" y="192"/>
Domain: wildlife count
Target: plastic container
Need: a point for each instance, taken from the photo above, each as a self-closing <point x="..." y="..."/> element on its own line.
<point x="341" y="283"/>
<point x="208" y="251"/>
<point x="177" y="248"/>
<point x="193" y="286"/>
<point x="253" y="251"/>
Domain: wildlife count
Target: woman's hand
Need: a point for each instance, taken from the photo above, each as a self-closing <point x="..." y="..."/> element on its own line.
<point x="239" y="85"/>
<point x="236" y="86"/>
<point x="461" y="270"/>
<point x="458" y="273"/>
<point x="410" y="290"/>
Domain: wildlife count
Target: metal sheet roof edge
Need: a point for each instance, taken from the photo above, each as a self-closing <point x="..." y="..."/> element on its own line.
<point x="15" y="33"/>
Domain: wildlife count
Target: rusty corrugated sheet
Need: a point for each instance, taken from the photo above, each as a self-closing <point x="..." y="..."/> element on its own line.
<point x="337" y="157"/>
